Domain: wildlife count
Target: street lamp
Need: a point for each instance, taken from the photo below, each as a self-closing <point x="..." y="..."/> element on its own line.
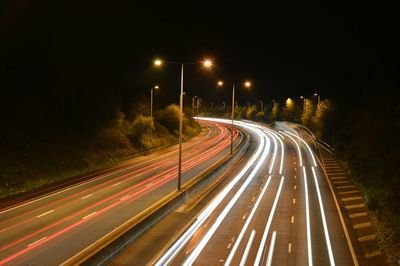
<point x="246" y="84"/>
<point x="151" y="109"/>
<point x="261" y="103"/>
<point x="158" y="62"/>
<point x="316" y="94"/>
<point x="304" y="103"/>
<point x="193" y="98"/>
<point x="198" y="105"/>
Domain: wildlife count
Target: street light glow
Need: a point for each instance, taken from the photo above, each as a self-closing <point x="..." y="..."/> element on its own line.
<point x="156" y="87"/>
<point x="220" y="83"/>
<point x="247" y="84"/>
<point x="158" y="62"/>
<point x="207" y="63"/>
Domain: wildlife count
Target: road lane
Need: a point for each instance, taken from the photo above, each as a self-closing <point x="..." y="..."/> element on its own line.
<point x="50" y="229"/>
<point x="289" y="198"/>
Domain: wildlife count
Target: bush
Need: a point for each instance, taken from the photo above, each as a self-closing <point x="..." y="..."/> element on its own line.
<point x="140" y="132"/>
<point x="169" y="118"/>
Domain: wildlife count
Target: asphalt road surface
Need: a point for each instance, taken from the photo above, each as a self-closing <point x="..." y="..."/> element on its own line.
<point x="276" y="208"/>
<point x="49" y="229"/>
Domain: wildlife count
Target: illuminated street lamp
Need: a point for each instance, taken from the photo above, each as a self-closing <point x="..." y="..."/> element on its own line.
<point x="158" y="62"/>
<point x="151" y="109"/>
<point x="304" y="103"/>
<point x="246" y="84"/>
<point x="316" y="94"/>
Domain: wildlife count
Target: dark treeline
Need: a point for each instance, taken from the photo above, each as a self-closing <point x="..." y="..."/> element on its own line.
<point x="368" y="143"/>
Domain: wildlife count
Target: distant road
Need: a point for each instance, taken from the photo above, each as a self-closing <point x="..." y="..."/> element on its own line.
<point x="276" y="209"/>
<point x="48" y="230"/>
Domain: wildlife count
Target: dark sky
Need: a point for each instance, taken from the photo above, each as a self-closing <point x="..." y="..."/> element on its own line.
<point x="286" y="49"/>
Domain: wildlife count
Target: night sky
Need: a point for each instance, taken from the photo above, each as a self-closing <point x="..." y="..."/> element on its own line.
<point x="285" y="49"/>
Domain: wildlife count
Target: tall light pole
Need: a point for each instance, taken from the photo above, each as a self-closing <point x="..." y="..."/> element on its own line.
<point x="304" y="103"/>
<point x="247" y="84"/>
<point x="206" y="63"/>
<point x="151" y="110"/>
<point x="316" y="94"/>
<point x="261" y="102"/>
<point x="197" y="109"/>
<point x="193" y="98"/>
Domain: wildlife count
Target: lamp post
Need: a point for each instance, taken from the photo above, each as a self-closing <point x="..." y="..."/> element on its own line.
<point x="247" y="84"/>
<point x="193" y="98"/>
<point x="197" y="109"/>
<point x="151" y="109"/>
<point x="316" y="94"/>
<point x="206" y="63"/>
<point x="304" y="103"/>
<point x="261" y="102"/>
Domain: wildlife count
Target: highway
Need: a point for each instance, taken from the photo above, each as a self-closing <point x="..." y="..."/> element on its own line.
<point x="277" y="209"/>
<point x="49" y="229"/>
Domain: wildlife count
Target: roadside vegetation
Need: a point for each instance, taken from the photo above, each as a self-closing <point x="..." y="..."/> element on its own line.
<point x="40" y="151"/>
<point x="368" y="145"/>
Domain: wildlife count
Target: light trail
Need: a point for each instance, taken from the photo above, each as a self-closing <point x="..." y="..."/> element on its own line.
<point x="309" y="246"/>
<point x="321" y="206"/>
<point x="244" y="228"/>
<point x="271" y="249"/>
<point x="268" y="225"/>
<point x="108" y="174"/>
<point x="248" y="247"/>
<point x="297" y="146"/>
<point x="308" y="147"/>
<point x="177" y="246"/>
<point x="282" y="151"/>
<point x="141" y="191"/>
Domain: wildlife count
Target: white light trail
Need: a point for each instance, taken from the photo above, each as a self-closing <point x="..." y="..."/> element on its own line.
<point x="268" y="224"/>
<point x="248" y="246"/>
<point x="282" y="152"/>
<point x="171" y="252"/>
<point x="309" y="250"/>
<point x="190" y="260"/>
<point x="308" y="147"/>
<point x="297" y="146"/>
<point x="244" y="228"/>
<point x="321" y="206"/>
<point x="275" y="151"/>
<point x="271" y="249"/>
